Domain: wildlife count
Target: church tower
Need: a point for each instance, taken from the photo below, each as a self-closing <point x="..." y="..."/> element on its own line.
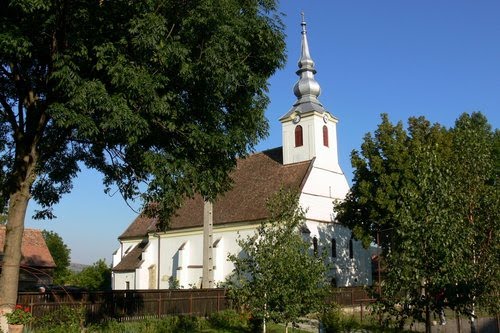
<point x="309" y="130"/>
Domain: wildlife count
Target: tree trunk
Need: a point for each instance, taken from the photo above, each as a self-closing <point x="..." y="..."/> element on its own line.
<point x="23" y="178"/>
<point x="427" y="319"/>
<point x="473" y="322"/>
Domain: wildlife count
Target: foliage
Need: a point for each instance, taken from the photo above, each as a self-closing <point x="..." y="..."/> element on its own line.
<point x="149" y="93"/>
<point x="66" y="319"/>
<point x="173" y="283"/>
<point x="171" y="324"/>
<point x="277" y="277"/>
<point x="228" y="319"/>
<point x="94" y="277"/>
<point x="60" y="253"/>
<point x="334" y="320"/>
<point x="431" y="194"/>
<point x="20" y="316"/>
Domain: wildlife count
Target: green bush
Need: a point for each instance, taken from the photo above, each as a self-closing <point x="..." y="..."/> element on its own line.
<point x="65" y="319"/>
<point x="170" y="324"/>
<point x="227" y="319"/>
<point x="188" y="324"/>
<point x="335" y="321"/>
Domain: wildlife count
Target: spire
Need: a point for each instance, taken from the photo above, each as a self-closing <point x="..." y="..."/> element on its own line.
<point x="306" y="89"/>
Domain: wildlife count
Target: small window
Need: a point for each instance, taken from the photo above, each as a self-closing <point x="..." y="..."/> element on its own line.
<point x="334" y="248"/>
<point x="298" y="136"/>
<point x="315" y="245"/>
<point x="351" y="249"/>
<point x="325" y="136"/>
<point x="127" y="285"/>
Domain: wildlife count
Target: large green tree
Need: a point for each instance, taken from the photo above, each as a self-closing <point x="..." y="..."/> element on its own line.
<point x="476" y="200"/>
<point x="166" y="93"/>
<point x="94" y="277"/>
<point x="431" y="195"/>
<point x="60" y="253"/>
<point x="277" y="276"/>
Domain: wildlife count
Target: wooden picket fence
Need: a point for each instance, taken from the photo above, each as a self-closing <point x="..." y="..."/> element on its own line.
<point x="125" y="305"/>
<point x="128" y="305"/>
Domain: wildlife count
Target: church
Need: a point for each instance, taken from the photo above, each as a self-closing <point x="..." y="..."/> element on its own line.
<point x="192" y="253"/>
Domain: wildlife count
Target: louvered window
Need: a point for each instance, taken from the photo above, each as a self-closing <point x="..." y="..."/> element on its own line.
<point x="325" y="136"/>
<point x="298" y="136"/>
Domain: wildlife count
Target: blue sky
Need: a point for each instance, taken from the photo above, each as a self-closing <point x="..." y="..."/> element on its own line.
<point x="406" y="58"/>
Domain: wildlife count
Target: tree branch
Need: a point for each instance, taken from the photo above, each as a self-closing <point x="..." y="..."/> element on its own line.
<point x="11" y="117"/>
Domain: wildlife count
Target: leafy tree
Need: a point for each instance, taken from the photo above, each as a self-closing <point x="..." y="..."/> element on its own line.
<point x="144" y="91"/>
<point x="415" y="189"/>
<point x="476" y="199"/>
<point x="60" y="253"/>
<point x="277" y="277"/>
<point x="94" y="277"/>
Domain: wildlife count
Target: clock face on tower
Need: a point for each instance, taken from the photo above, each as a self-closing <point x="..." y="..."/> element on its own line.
<point x="296" y="119"/>
<point x="325" y="118"/>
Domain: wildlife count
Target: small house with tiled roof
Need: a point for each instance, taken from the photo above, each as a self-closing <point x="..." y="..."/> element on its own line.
<point x="307" y="162"/>
<point x="37" y="264"/>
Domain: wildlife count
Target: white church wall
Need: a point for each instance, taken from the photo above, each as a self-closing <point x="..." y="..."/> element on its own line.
<point x="347" y="271"/>
<point x="182" y="256"/>
<point x="295" y="154"/>
<point x="125" y="247"/>
<point x="117" y="257"/>
<point x="229" y="236"/>
<point x="326" y="156"/>
<point x="124" y="280"/>
<point x="320" y="190"/>
<point x="181" y="252"/>
<point x="350" y="271"/>
<point x="149" y="274"/>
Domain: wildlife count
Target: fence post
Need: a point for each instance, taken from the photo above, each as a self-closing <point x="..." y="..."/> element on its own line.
<point x="159" y="304"/>
<point x="218" y="296"/>
<point x="191" y="302"/>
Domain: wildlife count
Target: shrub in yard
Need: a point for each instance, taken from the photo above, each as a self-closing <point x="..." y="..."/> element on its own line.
<point x="170" y="324"/>
<point x="255" y="324"/>
<point x="334" y="320"/>
<point x="67" y="318"/>
<point x="188" y="324"/>
<point x="227" y="319"/>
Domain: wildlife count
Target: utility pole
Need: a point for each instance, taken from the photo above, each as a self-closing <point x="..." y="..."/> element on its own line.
<point x="208" y="263"/>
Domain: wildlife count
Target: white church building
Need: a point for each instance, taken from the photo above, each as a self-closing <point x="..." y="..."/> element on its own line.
<point x="307" y="162"/>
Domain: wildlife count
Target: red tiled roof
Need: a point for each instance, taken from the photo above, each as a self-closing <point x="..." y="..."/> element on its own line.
<point x="34" y="251"/>
<point x="256" y="178"/>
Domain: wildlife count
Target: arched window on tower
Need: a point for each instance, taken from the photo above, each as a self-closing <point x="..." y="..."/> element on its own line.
<point x="325" y="136"/>
<point x="298" y="136"/>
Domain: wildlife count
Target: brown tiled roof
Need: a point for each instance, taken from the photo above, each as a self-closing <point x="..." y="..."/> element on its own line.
<point x="139" y="227"/>
<point x="34" y="251"/>
<point x="256" y="178"/>
<point x="133" y="259"/>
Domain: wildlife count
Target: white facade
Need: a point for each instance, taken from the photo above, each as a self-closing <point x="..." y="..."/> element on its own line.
<point x="313" y="147"/>
<point x="181" y="251"/>
<point x="309" y="134"/>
